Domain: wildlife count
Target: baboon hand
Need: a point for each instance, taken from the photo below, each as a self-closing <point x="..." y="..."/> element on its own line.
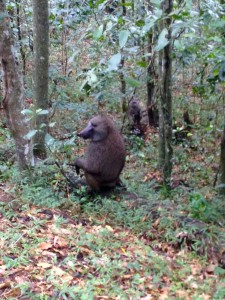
<point x="77" y="169"/>
<point x="77" y="165"/>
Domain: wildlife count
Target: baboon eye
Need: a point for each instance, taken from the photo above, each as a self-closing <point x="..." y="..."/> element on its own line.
<point x="93" y="124"/>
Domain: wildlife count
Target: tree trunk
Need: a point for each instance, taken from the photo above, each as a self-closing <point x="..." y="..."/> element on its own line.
<point x="13" y="101"/>
<point x="122" y="78"/>
<point x="222" y="165"/>
<point x="162" y="151"/>
<point x="166" y="96"/>
<point x="18" y="24"/>
<point x="123" y="87"/>
<point x="150" y="84"/>
<point x="41" y="60"/>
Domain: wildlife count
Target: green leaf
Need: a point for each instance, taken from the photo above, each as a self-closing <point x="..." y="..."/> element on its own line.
<point x="148" y="25"/>
<point x="3" y="15"/>
<point x="42" y="112"/>
<point x="109" y="26"/>
<point x="162" y="40"/>
<point x="141" y="154"/>
<point x="123" y="36"/>
<point x="132" y="82"/>
<point x="99" y="2"/>
<point x="128" y="4"/>
<point x="140" y="23"/>
<point x="84" y="85"/>
<point x="132" y="49"/>
<point x="30" y="134"/>
<point x="142" y="64"/>
<point x="27" y="112"/>
<point x="3" y="168"/>
<point x="93" y="78"/>
<point x="51" y="124"/>
<point x="98" y="32"/>
<point x="114" y="62"/>
<point x="121" y="21"/>
<point x="219" y="271"/>
<point x="49" y="139"/>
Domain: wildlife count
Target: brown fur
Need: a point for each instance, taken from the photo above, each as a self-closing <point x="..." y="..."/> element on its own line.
<point x="134" y="112"/>
<point x="105" y="155"/>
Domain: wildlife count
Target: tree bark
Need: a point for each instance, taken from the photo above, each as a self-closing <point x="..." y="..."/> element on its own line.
<point x="151" y="84"/>
<point x="18" y="24"/>
<point x="162" y="151"/>
<point x="14" y="100"/>
<point x="40" y="77"/>
<point x="166" y="96"/>
<point x="222" y="165"/>
<point x="123" y="87"/>
<point x="122" y="78"/>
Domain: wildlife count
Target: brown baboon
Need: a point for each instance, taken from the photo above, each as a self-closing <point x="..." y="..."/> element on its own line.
<point x="134" y="112"/>
<point x="105" y="155"/>
<point x="137" y="116"/>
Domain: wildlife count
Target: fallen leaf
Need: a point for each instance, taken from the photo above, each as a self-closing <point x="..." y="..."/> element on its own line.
<point x="14" y="293"/>
<point x="60" y="242"/>
<point x="56" y="271"/>
<point x="109" y="228"/>
<point x="144" y="218"/>
<point x="156" y="223"/>
<point x="85" y="249"/>
<point x="44" y="265"/>
<point x="193" y="285"/>
<point x="2" y="269"/>
<point x="127" y="276"/>
<point x="44" y="246"/>
<point x="5" y="284"/>
<point x="148" y="297"/>
<point x="182" y="294"/>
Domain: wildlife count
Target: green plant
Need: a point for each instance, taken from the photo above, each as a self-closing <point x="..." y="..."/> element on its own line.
<point x="198" y="205"/>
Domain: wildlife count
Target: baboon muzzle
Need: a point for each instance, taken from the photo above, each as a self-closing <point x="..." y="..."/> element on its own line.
<point x="86" y="133"/>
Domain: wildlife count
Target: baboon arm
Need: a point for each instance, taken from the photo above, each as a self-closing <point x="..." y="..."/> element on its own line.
<point x="80" y="163"/>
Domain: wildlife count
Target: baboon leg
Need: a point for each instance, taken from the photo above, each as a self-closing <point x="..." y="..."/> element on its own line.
<point x="96" y="185"/>
<point x="92" y="182"/>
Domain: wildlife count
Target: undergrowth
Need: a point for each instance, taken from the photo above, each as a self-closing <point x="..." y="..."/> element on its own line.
<point x="134" y="241"/>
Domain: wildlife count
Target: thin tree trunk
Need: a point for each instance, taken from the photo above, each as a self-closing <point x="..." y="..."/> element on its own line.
<point x="122" y="79"/>
<point x="22" y="52"/>
<point x="14" y="100"/>
<point x="41" y="61"/>
<point x="123" y="87"/>
<point x="162" y="151"/>
<point x="222" y="165"/>
<point x="152" y="111"/>
<point x="166" y="95"/>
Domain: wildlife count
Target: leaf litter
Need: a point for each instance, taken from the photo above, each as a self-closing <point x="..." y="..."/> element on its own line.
<point x="73" y="259"/>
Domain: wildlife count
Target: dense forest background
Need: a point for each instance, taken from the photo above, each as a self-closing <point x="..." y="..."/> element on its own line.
<point x="157" y="68"/>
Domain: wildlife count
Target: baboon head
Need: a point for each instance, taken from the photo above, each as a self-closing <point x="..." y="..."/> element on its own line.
<point x="134" y="111"/>
<point x="97" y="129"/>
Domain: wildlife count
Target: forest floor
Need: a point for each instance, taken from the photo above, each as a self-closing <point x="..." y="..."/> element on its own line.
<point x="60" y="244"/>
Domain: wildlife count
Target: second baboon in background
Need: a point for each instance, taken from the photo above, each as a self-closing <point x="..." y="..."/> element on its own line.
<point x="105" y="155"/>
<point x="138" y="118"/>
<point x="134" y="112"/>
